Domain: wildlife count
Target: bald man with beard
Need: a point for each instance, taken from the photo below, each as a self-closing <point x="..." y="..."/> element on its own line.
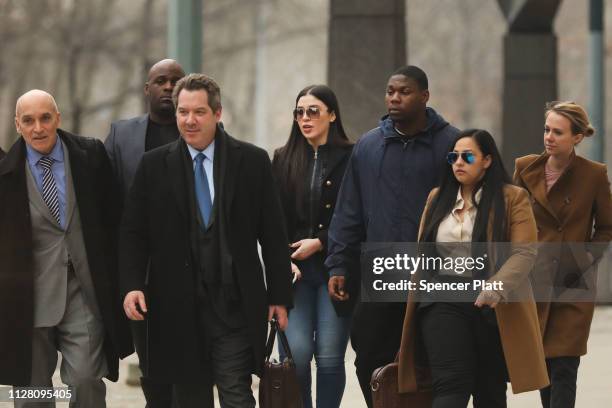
<point x="126" y="143"/>
<point x="59" y="211"/>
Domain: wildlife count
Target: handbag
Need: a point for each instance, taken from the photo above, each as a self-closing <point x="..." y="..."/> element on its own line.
<point x="385" y="390"/>
<point x="279" y="387"/>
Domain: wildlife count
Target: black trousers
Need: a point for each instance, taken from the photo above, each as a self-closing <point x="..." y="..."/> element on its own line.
<point x="157" y="394"/>
<point x="562" y="372"/>
<point x="376" y="332"/>
<point x="231" y="363"/>
<point x="463" y="347"/>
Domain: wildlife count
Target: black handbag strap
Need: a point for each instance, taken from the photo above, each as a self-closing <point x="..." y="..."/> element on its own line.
<point x="283" y="339"/>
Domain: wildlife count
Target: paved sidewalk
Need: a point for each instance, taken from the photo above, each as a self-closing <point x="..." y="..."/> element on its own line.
<point x="594" y="377"/>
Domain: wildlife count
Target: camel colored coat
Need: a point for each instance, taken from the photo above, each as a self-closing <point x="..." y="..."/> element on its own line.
<point x="518" y="322"/>
<point x="578" y="208"/>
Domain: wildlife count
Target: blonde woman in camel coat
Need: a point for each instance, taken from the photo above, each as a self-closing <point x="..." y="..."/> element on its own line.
<point x="571" y="200"/>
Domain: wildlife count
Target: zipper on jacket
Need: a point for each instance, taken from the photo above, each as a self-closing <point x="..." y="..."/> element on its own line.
<point x="312" y="186"/>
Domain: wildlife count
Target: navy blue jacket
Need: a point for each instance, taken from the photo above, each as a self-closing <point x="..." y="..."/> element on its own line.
<point x="385" y="187"/>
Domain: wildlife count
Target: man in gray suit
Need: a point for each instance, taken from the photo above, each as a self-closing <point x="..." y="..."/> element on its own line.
<point x="129" y="139"/>
<point x="126" y="143"/>
<point x="59" y="213"/>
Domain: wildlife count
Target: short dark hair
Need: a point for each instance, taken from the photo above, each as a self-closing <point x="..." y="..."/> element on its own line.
<point x="415" y="73"/>
<point x="197" y="82"/>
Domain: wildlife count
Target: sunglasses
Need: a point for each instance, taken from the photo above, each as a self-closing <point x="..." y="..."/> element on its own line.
<point x="313" y="112"/>
<point x="467" y="157"/>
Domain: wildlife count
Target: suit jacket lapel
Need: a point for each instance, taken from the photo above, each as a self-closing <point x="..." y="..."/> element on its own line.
<point x="534" y="178"/>
<point x="35" y="197"/>
<point x="82" y="181"/>
<point x="175" y="162"/>
<point x="70" y="195"/>
<point x="233" y="157"/>
<point x="140" y="135"/>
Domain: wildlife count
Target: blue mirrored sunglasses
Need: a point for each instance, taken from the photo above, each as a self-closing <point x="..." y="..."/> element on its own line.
<point x="467" y="157"/>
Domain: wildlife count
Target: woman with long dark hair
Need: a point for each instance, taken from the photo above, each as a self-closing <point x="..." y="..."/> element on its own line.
<point x="572" y="203"/>
<point x="309" y="171"/>
<point x="471" y="348"/>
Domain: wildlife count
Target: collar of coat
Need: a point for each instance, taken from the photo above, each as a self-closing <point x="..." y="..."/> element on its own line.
<point x="534" y="178"/>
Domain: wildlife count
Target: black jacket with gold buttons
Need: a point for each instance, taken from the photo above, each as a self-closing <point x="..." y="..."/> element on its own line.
<point x="323" y="177"/>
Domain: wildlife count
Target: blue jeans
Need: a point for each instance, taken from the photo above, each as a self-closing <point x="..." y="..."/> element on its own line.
<point x="315" y="329"/>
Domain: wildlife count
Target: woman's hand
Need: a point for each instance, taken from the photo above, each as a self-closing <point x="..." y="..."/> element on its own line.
<point x="305" y="248"/>
<point x="488" y="298"/>
<point x="297" y="274"/>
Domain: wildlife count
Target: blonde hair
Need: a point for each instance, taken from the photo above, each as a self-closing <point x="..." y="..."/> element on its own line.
<point x="575" y="113"/>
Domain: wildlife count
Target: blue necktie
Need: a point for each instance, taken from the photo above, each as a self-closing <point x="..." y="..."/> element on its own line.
<point x="201" y="189"/>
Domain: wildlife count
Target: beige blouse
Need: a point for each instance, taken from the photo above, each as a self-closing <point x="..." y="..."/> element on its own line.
<point x="454" y="229"/>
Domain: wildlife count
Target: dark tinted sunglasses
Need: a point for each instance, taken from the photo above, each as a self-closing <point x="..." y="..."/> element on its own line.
<point x="467" y="157"/>
<point x="313" y="112"/>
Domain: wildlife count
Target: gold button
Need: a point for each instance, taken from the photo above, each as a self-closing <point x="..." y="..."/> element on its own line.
<point x="320" y="226"/>
<point x="327" y="205"/>
<point x="328" y="183"/>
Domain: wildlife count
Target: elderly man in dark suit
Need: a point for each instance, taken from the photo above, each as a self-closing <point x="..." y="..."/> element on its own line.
<point x="126" y="143"/>
<point x="194" y="216"/>
<point x="58" y="281"/>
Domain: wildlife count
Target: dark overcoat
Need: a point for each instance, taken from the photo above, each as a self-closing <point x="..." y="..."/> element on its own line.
<point x="155" y="235"/>
<point x="578" y="208"/>
<point x="98" y="202"/>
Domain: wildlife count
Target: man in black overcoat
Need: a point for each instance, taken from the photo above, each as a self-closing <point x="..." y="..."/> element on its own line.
<point x="59" y="289"/>
<point x="193" y="218"/>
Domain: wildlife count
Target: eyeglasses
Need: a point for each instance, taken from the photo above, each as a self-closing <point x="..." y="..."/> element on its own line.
<point x="313" y="112"/>
<point x="467" y="157"/>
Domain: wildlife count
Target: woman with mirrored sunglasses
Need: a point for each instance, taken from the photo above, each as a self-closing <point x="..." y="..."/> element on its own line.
<point x="309" y="170"/>
<point x="472" y="346"/>
<point x="572" y="204"/>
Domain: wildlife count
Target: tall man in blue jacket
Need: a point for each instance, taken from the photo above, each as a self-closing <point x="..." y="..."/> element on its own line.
<point x="390" y="173"/>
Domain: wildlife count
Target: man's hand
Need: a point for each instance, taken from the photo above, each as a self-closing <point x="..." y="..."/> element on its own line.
<point x="488" y="298"/>
<point x="297" y="274"/>
<point x="133" y="299"/>
<point x="280" y="312"/>
<point x="335" y="287"/>
<point x="305" y="248"/>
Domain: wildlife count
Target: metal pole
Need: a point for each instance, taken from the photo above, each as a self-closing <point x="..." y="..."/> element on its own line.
<point x="185" y="33"/>
<point x="596" y="78"/>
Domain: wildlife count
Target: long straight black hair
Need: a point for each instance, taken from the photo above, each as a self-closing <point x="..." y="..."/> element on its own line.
<point x="292" y="158"/>
<point x="491" y="200"/>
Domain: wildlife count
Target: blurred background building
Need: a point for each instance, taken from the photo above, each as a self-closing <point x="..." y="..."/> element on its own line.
<point x="93" y="56"/>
